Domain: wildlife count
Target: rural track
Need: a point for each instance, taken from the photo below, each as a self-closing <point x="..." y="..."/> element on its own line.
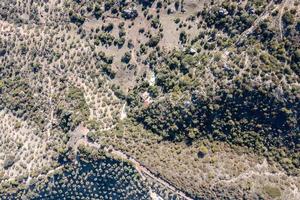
<point x="142" y="170"/>
<point x="250" y="30"/>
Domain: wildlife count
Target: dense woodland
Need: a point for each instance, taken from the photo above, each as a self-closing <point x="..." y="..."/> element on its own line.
<point x="96" y="176"/>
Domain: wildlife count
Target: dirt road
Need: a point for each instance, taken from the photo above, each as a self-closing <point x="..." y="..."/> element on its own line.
<point x="142" y="170"/>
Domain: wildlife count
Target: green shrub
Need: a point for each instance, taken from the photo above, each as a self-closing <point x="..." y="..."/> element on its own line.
<point x="126" y="57"/>
<point x="203" y="151"/>
<point x="9" y="161"/>
<point x="153" y="41"/>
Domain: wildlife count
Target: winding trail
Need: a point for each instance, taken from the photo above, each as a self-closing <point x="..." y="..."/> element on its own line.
<point x="144" y="171"/>
<point x="280" y="17"/>
<point x="250" y="30"/>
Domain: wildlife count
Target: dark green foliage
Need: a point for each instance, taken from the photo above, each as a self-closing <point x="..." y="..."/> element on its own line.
<point x="256" y="109"/>
<point x="177" y="20"/>
<point x="2" y="52"/>
<point x="146" y="3"/>
<point x="297" y="55"/>
<point x="229" y="18"/>
<point x="153" y="41"/>
<point x="126" y="57"/>
<point x="9" y="161"/>
<point x="108" y="28"/>
<point x="97" y="11"/>
<point x="76" y="18"/>
<point x="177" y="3"/>
<point x="245" y="115"/>
<point x="101" y="57"/>
<point x="122" y="32"/>
<point x="106" y="38"/>
<point x="183" y="37"/>
<point x="159" y="5"/>
<point x="75" y="112"/>
<point x="119" y="42"/>
<point x="95" y="176"/>
<point x="288" y="18"/>
<point x="202" y="151"/>
<point x="18" y="96"/>
<point x="35" y="67"/>
<point x="107" y="69"/>
<point x="108" y="4"/>
<point x="155" y="23"/>
<point x="118" y="92"/>
<point x="65" y="120"/>
<point x="284" y="51"/>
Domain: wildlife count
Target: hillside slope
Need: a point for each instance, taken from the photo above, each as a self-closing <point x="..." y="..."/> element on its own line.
<point x="203" y="94"/>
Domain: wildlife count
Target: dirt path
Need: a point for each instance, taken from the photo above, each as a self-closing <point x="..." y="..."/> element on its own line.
<point x="134" y="57"/>
<point x="142" y="170"/>
<point x="280" y="17"/>
<point x="263" y="16"/>
<point x="49" y="125"/>
<point x="123" y="113"/>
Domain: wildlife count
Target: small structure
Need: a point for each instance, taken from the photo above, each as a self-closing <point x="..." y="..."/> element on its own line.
<point x="147" y="100"/>
<point x="193" y="51"/>
<point x="130" y="13"/>
<point x="223" y="12"/>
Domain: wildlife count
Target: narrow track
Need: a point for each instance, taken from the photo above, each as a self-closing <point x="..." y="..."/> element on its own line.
<point x="142" y="170"/>
<point x="250" y="30"/>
